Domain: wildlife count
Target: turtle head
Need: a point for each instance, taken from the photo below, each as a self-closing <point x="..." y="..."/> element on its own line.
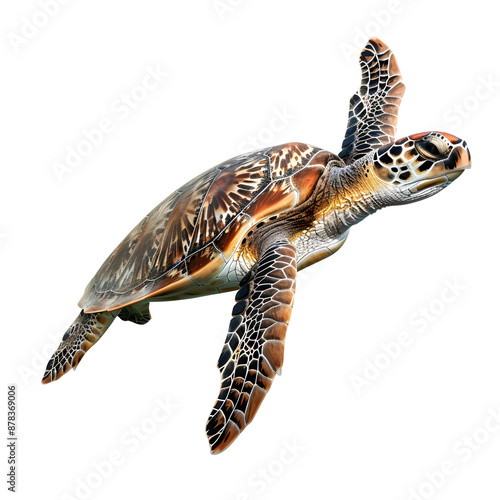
<point x="420" y="165"/>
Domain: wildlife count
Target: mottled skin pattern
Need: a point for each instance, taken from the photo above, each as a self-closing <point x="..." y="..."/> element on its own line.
<point x="373" y="109"/>
<point x="250" y="223"/>
<point x="85" y="331"/>
<point x="255" y="343"/>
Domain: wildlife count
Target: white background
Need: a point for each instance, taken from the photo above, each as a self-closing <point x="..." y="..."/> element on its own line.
<point x="230" y="70"/>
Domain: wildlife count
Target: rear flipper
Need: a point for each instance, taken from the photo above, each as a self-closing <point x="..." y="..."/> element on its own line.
<point x="85" y="331"/>
<point x="137" y="313"/>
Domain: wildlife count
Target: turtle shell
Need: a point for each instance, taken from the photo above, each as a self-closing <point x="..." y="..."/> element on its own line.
<point x="187" y="239"/>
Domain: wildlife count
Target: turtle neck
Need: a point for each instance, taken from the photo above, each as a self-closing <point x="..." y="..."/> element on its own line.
<point x="353" y="195"/>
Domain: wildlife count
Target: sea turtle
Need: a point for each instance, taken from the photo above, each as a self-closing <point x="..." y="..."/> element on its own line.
<point x="250" y="223"/>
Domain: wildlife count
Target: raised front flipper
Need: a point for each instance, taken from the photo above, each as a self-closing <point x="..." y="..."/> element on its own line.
<point x="373" y="109"/>
<point x="254" y="347"/>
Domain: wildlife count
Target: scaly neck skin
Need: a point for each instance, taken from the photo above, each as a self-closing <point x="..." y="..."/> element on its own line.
<point x="353" y="193"/>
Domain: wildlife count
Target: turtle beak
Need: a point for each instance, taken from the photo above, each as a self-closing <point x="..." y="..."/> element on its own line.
<point x="446" y="171"/>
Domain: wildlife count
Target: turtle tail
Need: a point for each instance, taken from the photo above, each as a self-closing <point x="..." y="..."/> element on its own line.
<point x="85" y="331"/>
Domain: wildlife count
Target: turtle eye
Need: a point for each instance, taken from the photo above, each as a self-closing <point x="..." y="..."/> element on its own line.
<point x="433" y="148"/>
